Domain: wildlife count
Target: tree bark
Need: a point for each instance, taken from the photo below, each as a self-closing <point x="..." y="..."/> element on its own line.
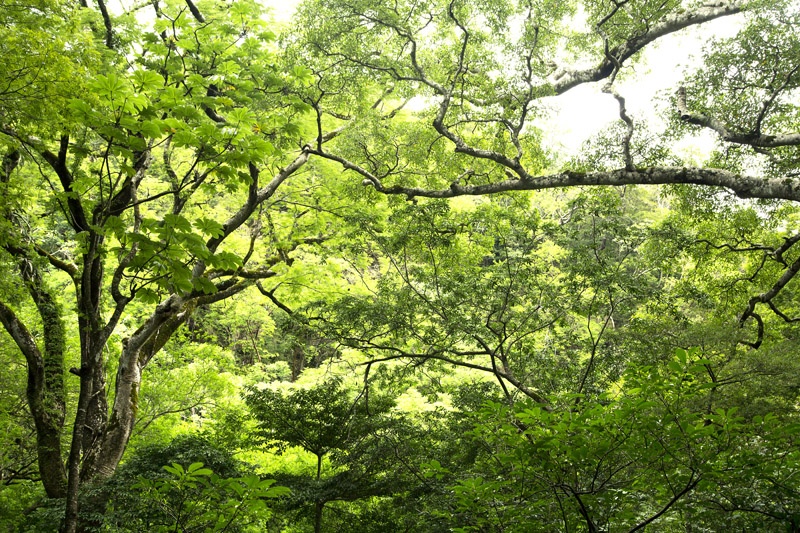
<point x="50" y="394"/>
<point x="742" y="186"/>
<point x="318" y="507"/>
<point x="136" y="353"/>
<point x="45" y="391"/>
<point x="45" y="395"/>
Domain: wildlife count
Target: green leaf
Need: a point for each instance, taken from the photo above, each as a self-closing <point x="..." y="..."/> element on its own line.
<point x="277" y="491"/>
<point x="204" y="285"/>
<point x="209" y="226"/>
<point x="111" y="86"/>
<point x="178" y="222"/>
<point x="198" y="470"/>
<point x="181" y="278"/>
<point x="148" y="296"/>
<point x="80" y="108"/>
<point x="114" y="226"/>
<point x="226" y="261"/>
<point x="146" y="80"/>
<point x="184" y="138"/>
<point x="242" y="117"/>
<point x="175" y="469"/>
<point x="151" y="129"/>
<point x="302" y="74"/>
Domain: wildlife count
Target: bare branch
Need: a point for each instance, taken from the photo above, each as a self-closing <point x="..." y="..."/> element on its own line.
<point x="742" y="186"/>
<point x="623" y="115"/>
<point x="567" y="80"/>
<point x="195" y="12"/>
<point x="107" y="23"/>
<point x="756" y="140"/>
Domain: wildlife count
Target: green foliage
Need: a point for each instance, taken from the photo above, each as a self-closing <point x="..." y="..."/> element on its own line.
<point x="196" y="498"/>
<point x="46" y="58"/>
<point x="540" y="291"/>
<point x="327" y="411"/>
<point x="365" y="452"/>
<point x="146" y="495"/>
<point x="15" y="501"/>
<point x="648" y="452"/>
<point x="184" y="387"/>
<point x="185" y="167"/>
<point x="17" y="451"/>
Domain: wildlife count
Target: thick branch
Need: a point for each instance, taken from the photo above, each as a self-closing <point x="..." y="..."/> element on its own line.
<point x="690" y="485"/>
<point x="259" y="196"/>
<point x="107" y="23"/>
<point x="22" y="337"/>
<point x="10" y="162"/>
<point x="766" y="297"/>
<point x="127" y="193"/>
<point x="567" y="80"/>
<point x="76" y="215"/>
<point x="47" y="406"/>
<point x="742" y="186"/>
<point x="195" y="12"/>
<point x="624" y="117"/>
<point x="749" y="139"/>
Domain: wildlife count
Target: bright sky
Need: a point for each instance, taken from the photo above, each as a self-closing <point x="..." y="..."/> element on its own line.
<point x="585" y="110"/>
<point x="282" y="9"/>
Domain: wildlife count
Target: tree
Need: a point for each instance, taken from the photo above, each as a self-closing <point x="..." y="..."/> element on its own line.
<point x="147" y="172"/>
<point x="131" y="198"/>
<point x="481" y="74"/>
<point x="189" y="485"/>
<point x="646" y="454"/>
<point x="367" y="445"/>
<point x="525" y="293"/>
<point x="196" y="498"/>
<point x="484" y="83"/>
<point x="484" y="71"/>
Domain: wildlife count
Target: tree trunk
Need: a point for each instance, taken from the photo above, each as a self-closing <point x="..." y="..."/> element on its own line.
<point x="137" y="352"/>
<point x="46" y="406"/>
<point x="45" y="388"/>
<point x="318" y="507"/>
<point x="75" y="455"/>
<point x="49" y="397"/>
<point x="92" y="411"/>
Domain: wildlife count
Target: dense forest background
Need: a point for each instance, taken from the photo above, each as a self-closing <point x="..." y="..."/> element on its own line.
<point x="338" y="274"/>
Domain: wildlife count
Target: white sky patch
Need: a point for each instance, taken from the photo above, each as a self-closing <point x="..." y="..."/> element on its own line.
<point x="582" y="112"/>
<point x="282" y="10"/>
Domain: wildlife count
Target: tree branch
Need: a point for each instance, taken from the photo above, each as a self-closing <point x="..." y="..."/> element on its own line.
<point x="565" y="81"/>
<point x="689" y="486"/>
<point x="755" y="140"/>
<point x="195" y="12"/>
<point x="107" y="23"/>
<point x="10" y="161"/>
<point x="742" y="186"/>
<point x="21" y="335"/>
<point x="75" y="213"/>
<point x="767" y="296"/>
